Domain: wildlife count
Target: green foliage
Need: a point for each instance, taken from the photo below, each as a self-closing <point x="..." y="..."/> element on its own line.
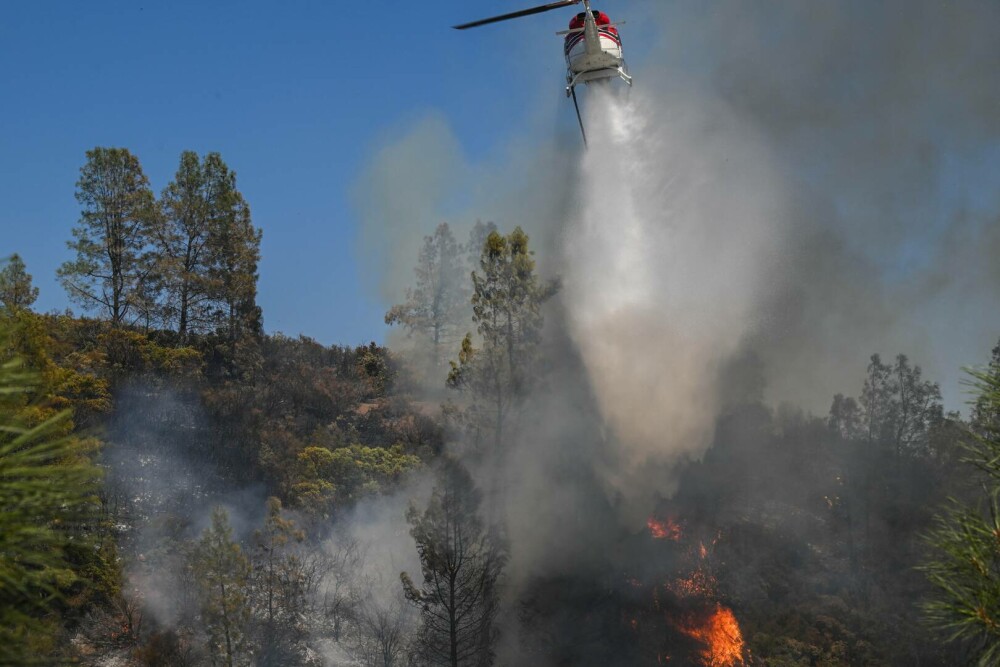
<point x="200" y="203"/>
<point x="130" y="354"/>
<point x="48" y="495"/>
<point x="222" y="573"/>
<point x="234" y="247"/>
<point x="328" y="478"/>
<point x="506" y="302"/>
<point x="16" y="290"/>
<point x="985" y="418"/>
<point x="965" y="568"/>
<point x="111" y="272"/>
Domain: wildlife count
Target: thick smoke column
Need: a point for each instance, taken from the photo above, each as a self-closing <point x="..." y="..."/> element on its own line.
<point x="666" y="257"/>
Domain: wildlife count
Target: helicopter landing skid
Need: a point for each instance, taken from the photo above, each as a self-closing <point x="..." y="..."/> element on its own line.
<point x="595" y="75"/>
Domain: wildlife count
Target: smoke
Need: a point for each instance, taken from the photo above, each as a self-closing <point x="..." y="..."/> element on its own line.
<point x="883" y="122"/>
<point x="668" y="252"/>
<point x="788" y="190"/>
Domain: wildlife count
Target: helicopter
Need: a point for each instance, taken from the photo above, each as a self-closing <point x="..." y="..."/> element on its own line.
<point x="592" y="47"/>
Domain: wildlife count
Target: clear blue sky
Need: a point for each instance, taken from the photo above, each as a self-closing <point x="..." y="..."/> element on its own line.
<point x="295" y="95"/>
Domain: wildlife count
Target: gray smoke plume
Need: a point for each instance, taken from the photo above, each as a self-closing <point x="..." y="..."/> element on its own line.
<point x="799" y="186"/>
<point x="885" y="124"/>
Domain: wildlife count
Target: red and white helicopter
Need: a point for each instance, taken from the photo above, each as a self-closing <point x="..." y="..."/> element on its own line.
<point x="592" y="47"/>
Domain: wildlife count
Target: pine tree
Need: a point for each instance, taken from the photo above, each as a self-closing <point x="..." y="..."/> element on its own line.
<point x="461" y="561"/>
<point x="506" y="303"/>
<point x="965" y="568"/>
<point x="279" y="582"/>
<point x="16" y="290"/>
<point x="434" y="309"/>
<point x="112" y="269"/>
<point x="985" y="415"/>
<point x="222" y="574"/>
<point x="235" y="252"/>
<point x="48" y="491"/>
<point x="189" y="204"/>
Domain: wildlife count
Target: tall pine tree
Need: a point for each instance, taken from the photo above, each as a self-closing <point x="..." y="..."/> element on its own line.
<point x="435" y="309"/>
<point x="506" y="302"/>
<point x="112" y="270"/>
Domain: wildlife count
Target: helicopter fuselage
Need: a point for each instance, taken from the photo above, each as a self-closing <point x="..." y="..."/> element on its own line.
<point x="594" y="50"/>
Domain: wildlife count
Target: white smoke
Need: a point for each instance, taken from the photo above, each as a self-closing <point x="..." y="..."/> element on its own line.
<point x="674" y="236"/>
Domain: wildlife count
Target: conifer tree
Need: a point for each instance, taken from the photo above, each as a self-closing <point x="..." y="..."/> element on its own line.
<point x="222" y="573"/>
<point x="112" y="269"/>
<point x="188" y="205"/>
<point x="279" y="582"/>
<point x="985" y="413"/>
<point x="235" y="252"/>
<point x="965" y="567"/>
<point x="435" y="308"/>
<point x="16" y="290"/>
<point x="506" y="303"/>
<point x="48" y="490"/>
<point x="461" y="561"/>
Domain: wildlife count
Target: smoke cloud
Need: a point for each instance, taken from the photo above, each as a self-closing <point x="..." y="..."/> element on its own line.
<point x="788" y="190"/>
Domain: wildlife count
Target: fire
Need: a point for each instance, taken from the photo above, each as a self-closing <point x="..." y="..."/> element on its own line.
<point x="661" y="529"/>
<point x="689" y="602"/>
<point x="721" y="635"/>
<point x="699" y="584"/>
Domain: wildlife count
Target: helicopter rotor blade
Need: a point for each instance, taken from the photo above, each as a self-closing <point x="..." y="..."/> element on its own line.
<point x="518" y="14"/>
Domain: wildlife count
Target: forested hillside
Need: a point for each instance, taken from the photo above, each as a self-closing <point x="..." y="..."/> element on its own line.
<point x="181" y="488"/>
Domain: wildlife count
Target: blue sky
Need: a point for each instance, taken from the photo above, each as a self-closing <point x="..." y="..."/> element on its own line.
<point x="294" y="95"/>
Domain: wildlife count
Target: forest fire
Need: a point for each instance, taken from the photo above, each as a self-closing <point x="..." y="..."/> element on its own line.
<point x="699" y="628"/>
<point x="721" y="635"/>
<point x="661" y="529"/>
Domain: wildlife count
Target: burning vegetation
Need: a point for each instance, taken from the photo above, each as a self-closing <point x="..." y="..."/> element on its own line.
<point x="682" y="616"/>
<point x="664" y="529"/>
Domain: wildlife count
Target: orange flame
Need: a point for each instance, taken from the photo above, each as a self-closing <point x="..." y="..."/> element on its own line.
<point x="699" y="584"/>
<point x="661" y="529"/>
<point x="721" y="635"/>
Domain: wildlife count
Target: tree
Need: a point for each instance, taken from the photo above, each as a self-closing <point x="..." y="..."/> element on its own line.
<point x="965" y="569"/>
<point x="898" y="406"/>
<point x="434" y="309"/>
<point x="876" y="400"/>
<point x="986" y="414"/>
<point x="379" y="635"/>
<point x="506" y="305"/>
<point x="845" y="418"/>
<point x="111" y="272"/>
<point x="235" y="252"/>
<point x="477" y="239"/>
<point x="48" y="492"/>
<point x="222" y="572"/>
<point x="16" y="290"/>
<point x="279" y="582"/>
<point x="461" y="561"/>
<point x="327" y="478"/>
<point x="916" y="409"/>
<point x="192" y="205"/>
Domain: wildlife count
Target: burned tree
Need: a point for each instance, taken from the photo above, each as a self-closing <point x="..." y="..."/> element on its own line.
<point x="461" y="561"/>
